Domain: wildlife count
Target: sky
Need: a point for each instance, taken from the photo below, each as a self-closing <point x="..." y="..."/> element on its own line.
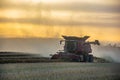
<point x="99" y="19"/>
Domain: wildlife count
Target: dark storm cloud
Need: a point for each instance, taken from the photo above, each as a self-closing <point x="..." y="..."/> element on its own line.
<point x="59" y="22"/>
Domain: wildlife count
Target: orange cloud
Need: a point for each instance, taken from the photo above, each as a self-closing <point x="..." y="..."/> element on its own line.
<point x="33" y="18"/>
<point x="28" y="30"/>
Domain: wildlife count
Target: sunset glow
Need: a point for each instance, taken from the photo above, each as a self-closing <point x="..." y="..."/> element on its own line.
<point x="53" y="18"/>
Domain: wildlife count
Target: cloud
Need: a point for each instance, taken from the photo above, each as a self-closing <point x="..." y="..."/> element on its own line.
<point x="90" y="13"/>
<point x="28" y="12"/>
<point x="53" y="22"/>
<point x="71" y="6"/>
<point x="86" y="7"/>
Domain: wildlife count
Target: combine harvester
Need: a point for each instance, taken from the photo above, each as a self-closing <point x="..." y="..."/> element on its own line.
<point x="76" y="49"/>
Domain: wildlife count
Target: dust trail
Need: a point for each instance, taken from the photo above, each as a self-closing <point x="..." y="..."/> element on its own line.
<point x="111" y="53"/>
<point x="46" y="46"/>
<point x="40" y="46"/>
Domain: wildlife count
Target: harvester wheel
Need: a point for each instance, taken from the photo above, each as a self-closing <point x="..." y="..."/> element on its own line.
<point x="85" y="58"/>
<point x="79" y="60"/>
<point x="91" y="58"/>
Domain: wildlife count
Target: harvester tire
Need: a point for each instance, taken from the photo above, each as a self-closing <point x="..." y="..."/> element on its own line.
<point x="91" y="58"/>
<point x="85" y="58"/>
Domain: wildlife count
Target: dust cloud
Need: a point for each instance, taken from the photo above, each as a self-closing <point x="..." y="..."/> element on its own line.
<point x="109" y="52"/>
<point x="40" y="46"/>
<point x="46" y="46"/>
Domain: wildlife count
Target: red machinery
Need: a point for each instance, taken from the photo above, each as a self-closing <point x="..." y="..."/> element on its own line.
<point x="76" y="49"/>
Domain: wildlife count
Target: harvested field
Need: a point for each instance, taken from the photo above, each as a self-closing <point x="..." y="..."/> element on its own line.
<point x="60" y="71"/>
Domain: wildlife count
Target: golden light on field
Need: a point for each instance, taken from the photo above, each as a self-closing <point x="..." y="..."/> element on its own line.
<point x="53" y="18"/>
